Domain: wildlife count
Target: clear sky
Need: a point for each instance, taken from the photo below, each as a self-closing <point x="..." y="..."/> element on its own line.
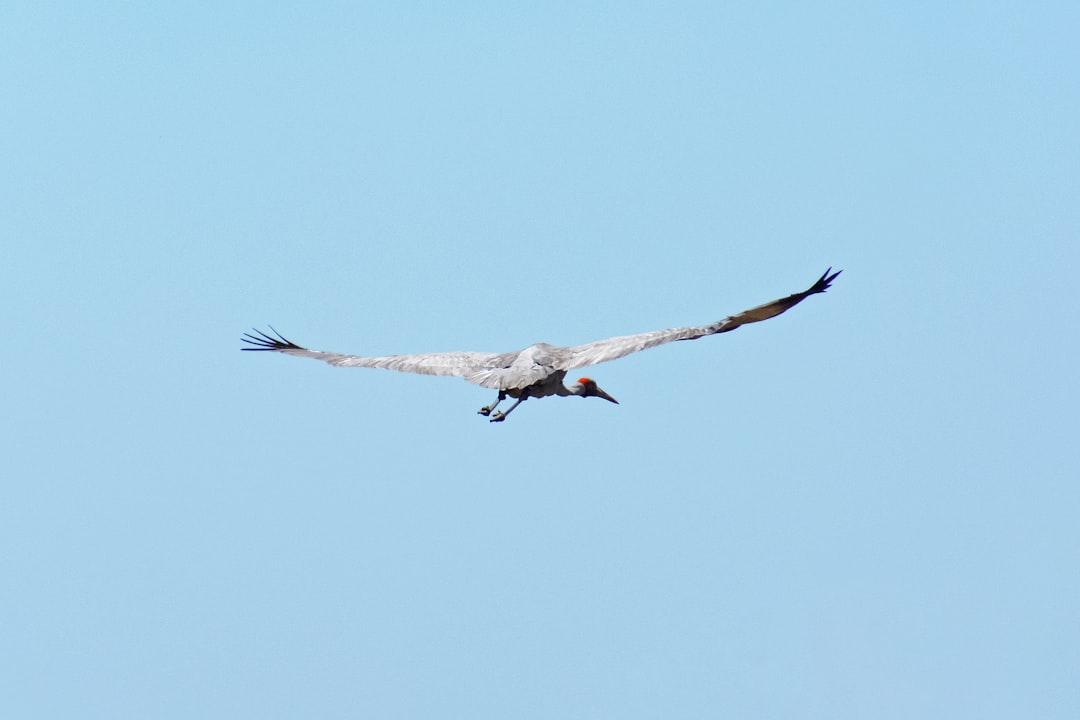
<point x="866" y="508"/>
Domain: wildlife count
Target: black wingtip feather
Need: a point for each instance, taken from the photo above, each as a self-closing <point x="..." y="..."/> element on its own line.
<point x="262" y="341"/>
<point x="824" y="282"/>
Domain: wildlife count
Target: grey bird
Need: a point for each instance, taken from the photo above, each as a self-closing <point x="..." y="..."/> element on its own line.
<point x="538" y="370"/>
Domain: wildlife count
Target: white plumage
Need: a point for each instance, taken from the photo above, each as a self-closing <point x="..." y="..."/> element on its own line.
<point x="538" y="370"/>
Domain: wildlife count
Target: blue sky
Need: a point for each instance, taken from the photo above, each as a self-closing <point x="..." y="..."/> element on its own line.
<point x="864" y="508"/>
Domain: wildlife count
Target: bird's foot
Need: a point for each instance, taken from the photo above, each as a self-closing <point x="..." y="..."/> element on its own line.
<point x="498" y="417"/>
<point x="485" y="411"/>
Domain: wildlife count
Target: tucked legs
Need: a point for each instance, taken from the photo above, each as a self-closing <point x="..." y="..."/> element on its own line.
<point x="500" y="416"/>
<point x="486" y="410"/>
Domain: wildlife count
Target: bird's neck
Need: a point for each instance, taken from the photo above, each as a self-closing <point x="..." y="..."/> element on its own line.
<point x="563" y="390"/>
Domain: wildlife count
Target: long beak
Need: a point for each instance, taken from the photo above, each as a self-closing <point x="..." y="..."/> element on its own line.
<point x="601" y="393"/>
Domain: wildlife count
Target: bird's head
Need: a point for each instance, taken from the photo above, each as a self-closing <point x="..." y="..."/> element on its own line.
<point x="587" y="387"/>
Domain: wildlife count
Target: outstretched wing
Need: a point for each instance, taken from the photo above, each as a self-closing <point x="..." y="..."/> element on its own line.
<point x="450" y="363"/>
<point x="617" y="347"/>
<point x="522" y="368"/>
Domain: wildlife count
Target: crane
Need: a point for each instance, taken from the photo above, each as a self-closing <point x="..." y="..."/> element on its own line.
<point x="538" y="370"/>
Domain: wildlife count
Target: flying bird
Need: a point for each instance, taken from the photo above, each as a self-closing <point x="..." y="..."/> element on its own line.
<point x="538" y="370"/>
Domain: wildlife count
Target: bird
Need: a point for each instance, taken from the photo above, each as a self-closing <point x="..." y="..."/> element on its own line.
<point x="539" y="370"/>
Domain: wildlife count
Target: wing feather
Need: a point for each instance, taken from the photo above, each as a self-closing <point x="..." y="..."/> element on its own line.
<point x="617" y="347"/>
<point x="520" y="369"/>
<point x="449" y="363"/>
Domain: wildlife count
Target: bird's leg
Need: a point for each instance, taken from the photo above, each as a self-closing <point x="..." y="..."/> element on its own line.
<point x="500" y="416"/>
<point x="486" y="410"/>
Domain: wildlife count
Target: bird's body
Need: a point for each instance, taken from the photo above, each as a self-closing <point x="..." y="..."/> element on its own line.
<point x="538" y="370"/>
